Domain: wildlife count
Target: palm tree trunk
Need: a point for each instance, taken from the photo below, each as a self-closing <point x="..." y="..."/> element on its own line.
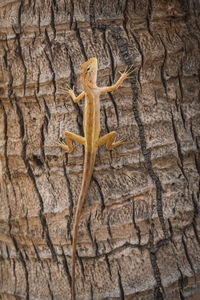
<point x="139" y="234"/>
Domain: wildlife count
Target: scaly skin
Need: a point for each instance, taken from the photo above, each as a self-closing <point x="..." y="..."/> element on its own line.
<point x="91" y="140"/>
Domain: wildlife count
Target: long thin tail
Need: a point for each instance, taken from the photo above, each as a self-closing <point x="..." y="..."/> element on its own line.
<point x="87" y="174"/>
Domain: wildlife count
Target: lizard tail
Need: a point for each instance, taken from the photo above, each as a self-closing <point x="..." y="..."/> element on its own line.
<point x="87" y="174"/>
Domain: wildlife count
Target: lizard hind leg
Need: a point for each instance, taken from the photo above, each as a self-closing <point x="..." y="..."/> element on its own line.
<point x="109" y="140"/>
<point x="68" y="147"/>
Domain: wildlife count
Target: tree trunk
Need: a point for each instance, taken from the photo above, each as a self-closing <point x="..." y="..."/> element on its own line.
<point x="139" y="233"/>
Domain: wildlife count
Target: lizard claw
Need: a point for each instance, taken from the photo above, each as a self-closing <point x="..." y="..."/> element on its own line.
<point x="62" y="145"/>
<point x="128" y="71"/>
<point x="68" y="91"/>
<point x="121" y="141"/>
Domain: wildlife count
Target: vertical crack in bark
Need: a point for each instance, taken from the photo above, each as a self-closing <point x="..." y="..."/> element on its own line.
<point x="196" y="212"/>
<point x="29" y="52"/>
<point x="106" y="118"/>
<point x="100" y="192"/>
<point x="89" y="230"/>
<point x="96" y="246"/>
<point x="191" y="130"/>
<point x="182" y="116"/>
<point x="155" y="96"/>
<point x="10" y="179"/>
<point x="15" y="276"/>
<point x="42" y="146"/>
<point x="47" y="236"/>
<point x="197" y="162"/>
<point x="181" y="283"/>
<point x="5" y="58"/>
<point x="52" y="22"/>
<point x="47" y="113"/>
<point x="91" y="291"/>
<point x="44" y="127"/>
<point x="176" y="101"/>
<point x="162" y="69"/>
<point x="55" y="5"/>
<point x="115" y="107"/>
<point x="6" y="149"/>
<point x="31" y="175"/>
<point x="121" y="290"/>
<point x="8" y="253"/>
<point x="183" y="172"/>
<point x="42" y="141"/>
<point x="80" y="41"/>
<point x="33" y="45"/>
<point x="158" y="295"/>
<point x="92" y="19"/>
<point x="108" y="266"/>
<point x="23" y="262"/>
<point x="71" y="13"/>
<point x="187" y="254"/>
<point x="134" y="6"/>
<point x="112" y="62"/>
<point x="37" y="253"/>
<point x="39" y="20"/>
<point x="114" y="103"/>
<point x="178" y="145"/>
<point x="20" y="13"/>
<point x="19" y="48"/>
<point x="197" y="144"/>
<point x="26" y="255"/>
<point x="81" y="265"/>
<point x="108" y="226"/>
<point x="66" y="268"/>
<point x="180" y="86"/>
<point x="49" y="269"/>
<point x="49" y="44"/>
<point x="148" y="17"/>
<point x="70" y="200"/>
<point x="10" y="84"/>
<point x="50" y="291"/>
<point x="32" y="6"/>
<point x="9" y="211"/>
<point x="38" y="80"/>
<point x="37" y="100"/>
<point x="171" y="231"/>
<point x="125" y="20"/>
<point x="137" y="228"/>
<point x="53" y="75"/>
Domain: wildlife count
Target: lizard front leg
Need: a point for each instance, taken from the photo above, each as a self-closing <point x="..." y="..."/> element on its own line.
<point x="68" y="147"/>
<point x="109" y="140"/>
<point x="115" y="86"/>
<point x="78" y="98"/>
<point x="71" y="93"/>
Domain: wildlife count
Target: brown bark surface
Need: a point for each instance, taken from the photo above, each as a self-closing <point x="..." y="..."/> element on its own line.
<point x="139" y="234"/>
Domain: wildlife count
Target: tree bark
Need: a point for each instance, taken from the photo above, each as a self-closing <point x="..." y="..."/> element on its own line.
<point x="139" y="234"/>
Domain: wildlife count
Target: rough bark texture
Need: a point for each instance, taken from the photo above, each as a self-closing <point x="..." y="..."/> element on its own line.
<point x="139" y="235"/>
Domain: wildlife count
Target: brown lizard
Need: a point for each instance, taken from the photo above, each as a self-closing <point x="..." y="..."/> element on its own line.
<point x="91" y="139"/>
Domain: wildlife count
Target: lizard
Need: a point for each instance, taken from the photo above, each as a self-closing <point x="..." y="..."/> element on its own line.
<point x="91" y="140"/>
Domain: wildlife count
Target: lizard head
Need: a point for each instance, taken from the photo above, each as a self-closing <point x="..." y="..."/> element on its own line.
<point x="89" y="73"/>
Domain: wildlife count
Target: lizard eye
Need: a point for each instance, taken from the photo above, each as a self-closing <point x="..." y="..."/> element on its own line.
<point x="88" y="69"/>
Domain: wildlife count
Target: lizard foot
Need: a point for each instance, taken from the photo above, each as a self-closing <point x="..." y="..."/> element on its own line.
<point x="128" y="72"/>
<point x="118" y="143"/>
<point x="68" y="91"/>
<point x="63" y="146"/>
